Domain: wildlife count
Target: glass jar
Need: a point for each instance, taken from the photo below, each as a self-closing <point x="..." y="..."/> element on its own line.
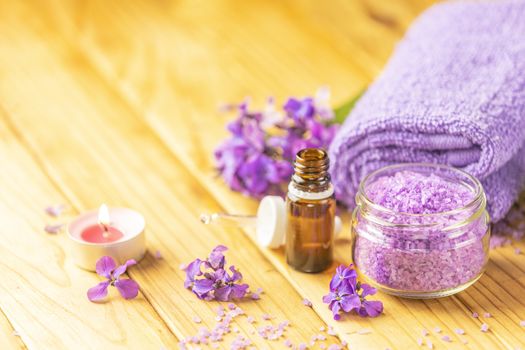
<point x="421" y="255"/>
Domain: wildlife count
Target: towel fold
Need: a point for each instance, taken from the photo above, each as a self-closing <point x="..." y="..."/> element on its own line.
<point x="453" y="92"/>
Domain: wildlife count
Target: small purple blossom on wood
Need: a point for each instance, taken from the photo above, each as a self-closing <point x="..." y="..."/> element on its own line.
<point x="484" y="327"/>
<point x="347" y="294"/>
<point x="106" y="267"/>
<point x="210" y="279"/>
<point x="307" y="302"/>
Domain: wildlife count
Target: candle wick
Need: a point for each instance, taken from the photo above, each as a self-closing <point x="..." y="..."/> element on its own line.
<point x="105" y="230"/>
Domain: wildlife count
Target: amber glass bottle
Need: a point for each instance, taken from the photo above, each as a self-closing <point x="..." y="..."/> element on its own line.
<point x="310" y="208"/>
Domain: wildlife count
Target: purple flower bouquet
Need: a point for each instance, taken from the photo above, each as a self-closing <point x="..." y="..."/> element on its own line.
<point x="257" y="158"/>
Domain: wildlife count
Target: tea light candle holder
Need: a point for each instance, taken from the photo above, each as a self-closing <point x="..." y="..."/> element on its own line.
<point x="115" y="232"/>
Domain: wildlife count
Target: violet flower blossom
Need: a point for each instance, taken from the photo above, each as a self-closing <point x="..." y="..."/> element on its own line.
<point x="257" y="158"/>
<point x="106" y="267"/>
<point x="347" y="294"/>
<point x="210" y="280"/>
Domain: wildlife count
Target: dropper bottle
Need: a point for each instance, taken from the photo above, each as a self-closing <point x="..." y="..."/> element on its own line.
<point x="310" y="208"/>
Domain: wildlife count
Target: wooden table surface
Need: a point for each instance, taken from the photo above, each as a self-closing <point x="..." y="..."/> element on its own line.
<point x="116" y="102"/>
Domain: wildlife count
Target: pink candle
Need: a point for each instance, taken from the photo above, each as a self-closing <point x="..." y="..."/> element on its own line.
<point x="100" y="234"/>
<point x="115" y="232"/>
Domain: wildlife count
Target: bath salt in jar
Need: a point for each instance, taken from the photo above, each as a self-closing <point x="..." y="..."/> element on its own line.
<point x="420" y="230"/>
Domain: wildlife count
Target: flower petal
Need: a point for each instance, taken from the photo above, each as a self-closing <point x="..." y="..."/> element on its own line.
<point x="223" y="293"/>
<point x="105" y="266"/>
<point x="128" y="288"/>
<point x="122" y="268"/>
<point x="239" y="291"/>
<point x="350" y="302"/>
<point x="98" y="292"/>
<point x="202" y="287"/>
<point x="367" y="290"/>
<point x="373" y="308"/>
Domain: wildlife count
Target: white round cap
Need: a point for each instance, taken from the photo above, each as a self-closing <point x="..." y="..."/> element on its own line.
<point x="271" y="221"/>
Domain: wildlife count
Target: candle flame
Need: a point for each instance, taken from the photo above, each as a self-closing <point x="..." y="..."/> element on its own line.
<point x="103" y="216"/>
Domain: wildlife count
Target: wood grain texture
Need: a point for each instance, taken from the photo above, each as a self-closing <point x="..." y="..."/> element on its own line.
<point x="42" y="293"/>
<point x="105" y="153"/>
<point x="137" y="86"/>
<point x="9" y="339"/>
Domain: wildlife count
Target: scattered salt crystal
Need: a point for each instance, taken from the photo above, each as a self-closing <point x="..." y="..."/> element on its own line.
<point x="236" y="330"/>
<point x="459" y="331"/>
<point x="487" y="315"/>
<point x="218" y="318"/>
<point x="364" y="331"/>
<point x="197" y="319"/>
<point x="344" y="343"/>
<point x="53" y="228"/>
<point x="231" y="306"/>
<point x="302" y="346"/>
<point x="335" y="347"/>
<point x="429" y="344"/>
<point x="475" y="315"/>
<point x="259" y="290"/>
<point x="16" y="334"/>
<point x="288" y="343"/>
<point x="266" y="317"/>
<point x="322" y="346"/>
<point x="220" y="310"/>
<point x="321" y="337"/>
<point x="517" y="251"/>
<point x="250" y="319"/>
<point x="312" y="343"/>
<point x="419" y="341"/>
<point x="522" y="323"/>
<point x="307" y="302"/>
<point x="55" y="210"/>
<point x="446" y="338"/>
<point x="484" y="327"/>
<point x="464" y="341"/>
<point x="331" y="331"/>
<point x="424" y="332"/>
<point x="255" y="296"/>
<point x="158" y="255"/>
<point x="437" y="329"/>
<point x="321" y="329"/>
<point x="183" y="266"/>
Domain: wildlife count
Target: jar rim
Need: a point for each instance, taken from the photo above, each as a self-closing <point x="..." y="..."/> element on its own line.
<point x="478" y="195"/>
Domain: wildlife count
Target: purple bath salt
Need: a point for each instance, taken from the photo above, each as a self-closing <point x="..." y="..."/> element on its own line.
<point x="421" y="233"/>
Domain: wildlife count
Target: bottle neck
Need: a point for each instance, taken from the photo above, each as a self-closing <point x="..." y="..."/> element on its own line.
<point x="311" y="179"/>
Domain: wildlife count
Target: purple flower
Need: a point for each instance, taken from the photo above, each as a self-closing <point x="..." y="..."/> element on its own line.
<point x="209" y="279"/>
<point x="368" y="307"/>
<point x="257" y="159"/>
<point x="300" y="110"/>
<point x="106" y="267"/>
<point x="347" y="294"/>
<point x="344" y="275"/>
<point x="342" y="299"/>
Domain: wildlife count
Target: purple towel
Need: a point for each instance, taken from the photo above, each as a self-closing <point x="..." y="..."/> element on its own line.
<point x="453" y="92"/>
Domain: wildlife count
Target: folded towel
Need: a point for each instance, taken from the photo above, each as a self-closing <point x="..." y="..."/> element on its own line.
<point x="454" y="93"/>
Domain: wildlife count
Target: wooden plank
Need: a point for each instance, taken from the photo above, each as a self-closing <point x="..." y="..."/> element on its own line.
<point x="96" y="149"/>
<point x="42" y="293"/>
<point x="407" y="317"/>
<point x="9" y="339"/>
<point x="174" y="120"/>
